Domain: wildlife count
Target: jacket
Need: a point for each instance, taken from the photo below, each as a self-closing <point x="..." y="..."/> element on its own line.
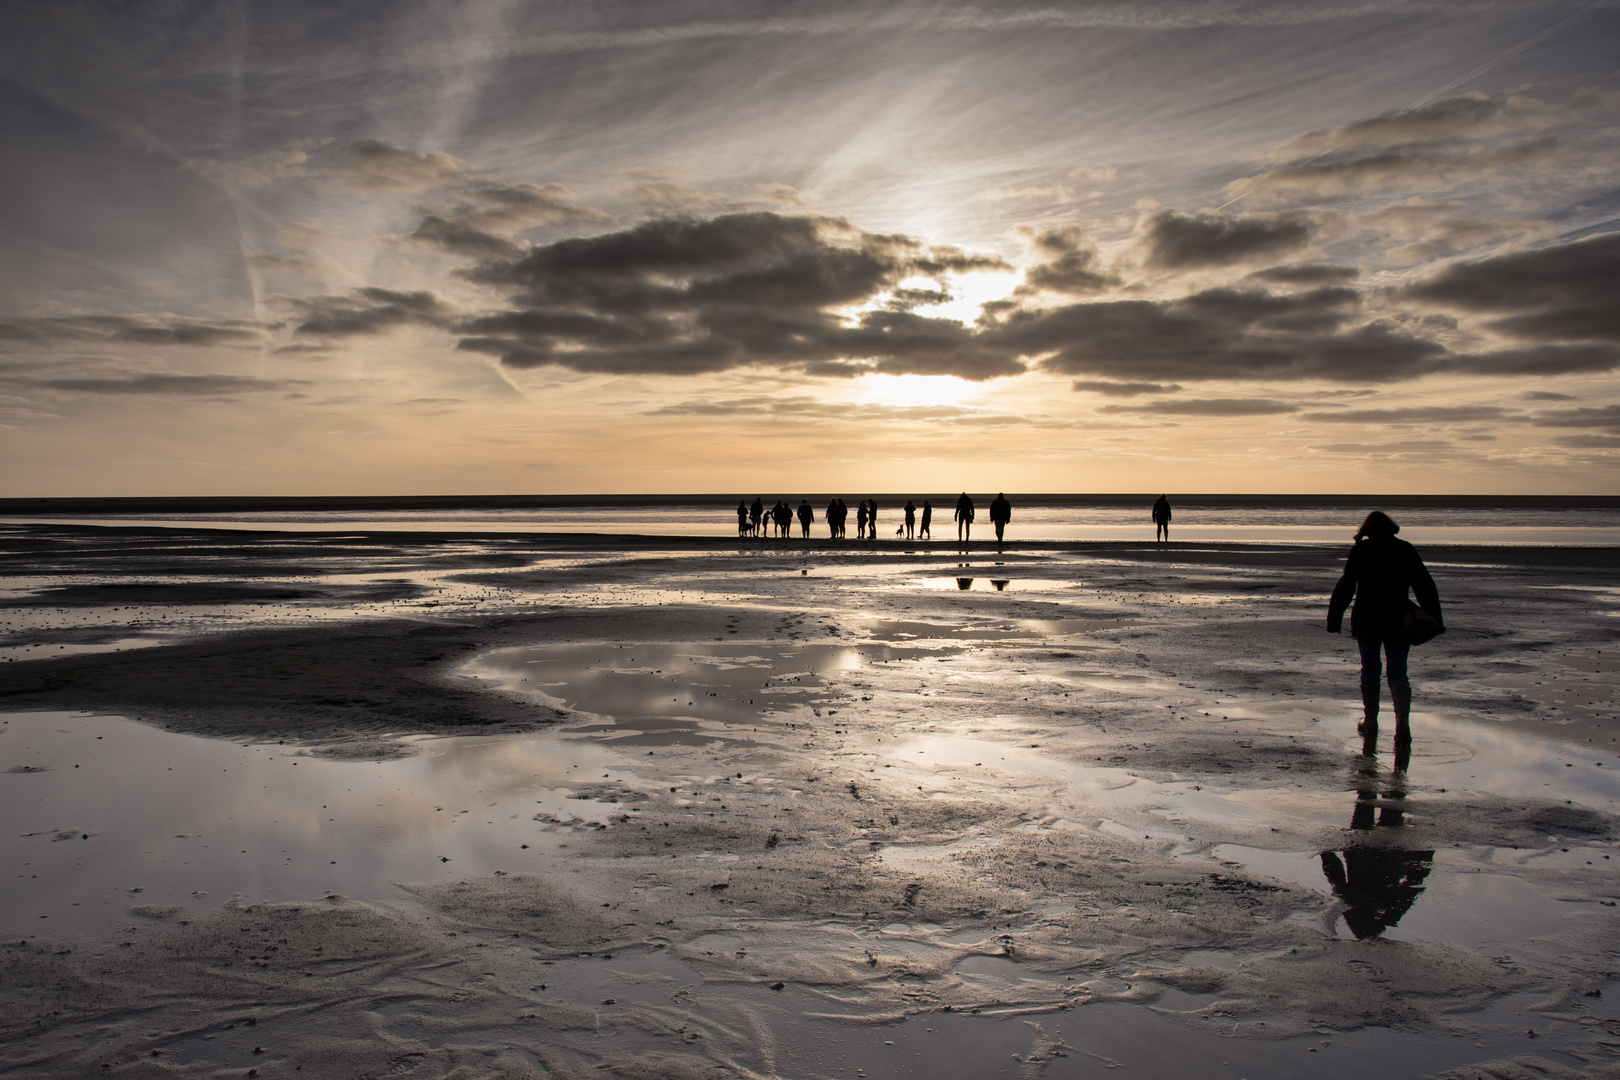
<point x="1378" y="573"/>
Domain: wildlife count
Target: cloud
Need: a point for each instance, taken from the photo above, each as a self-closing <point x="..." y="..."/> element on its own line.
<point x="381" y="166"/>
<point x="1588" y="442"/>
<point x="1598" y="416"/>
<point x="368" y="311"/>
<point x="763" y="406"/>
<point x="1472" y="116"/>
<point x="1208" y="407"/>
<point x="1219" y="334"/>
<point x="1561" y="293"/>
<point x="1307" y="274"/>
<point x="481" y="220"/>
<point x="1172" y="241"/>
<point x="1546" y="395"/>
<point x="683" y="296"/>
<point x="133" y="329"/>
<point x="1072" y="265"/>
<point x="1417" y="414"/>
<point x="1123" y="389"/>
<point x="169" y="385"/>
<point x="1343" y="178"/>
<point x="1405" y="446"/>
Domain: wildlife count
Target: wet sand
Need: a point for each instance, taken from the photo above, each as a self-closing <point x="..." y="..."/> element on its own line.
<point x="531" y="806"/>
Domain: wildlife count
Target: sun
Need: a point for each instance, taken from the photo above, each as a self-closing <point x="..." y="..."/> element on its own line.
<point x="909" y="391"/>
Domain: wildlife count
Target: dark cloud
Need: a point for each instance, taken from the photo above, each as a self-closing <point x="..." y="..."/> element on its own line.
<point x="369" y="311"/>
<point x="686" y="296"/>
<point x="1546" y="395"/>
<point x="1597" y="416"/>
<point x="1123" y="389"/>
<point x="133" y="329"/>
<point x="1306" y="274"/>
<point x="169" y="385"/>
<point x="460" y="238"/>
<point x="1208" y="407"/>
<point x="1072" y="265"/>
<point x="1172" y="241"/>
<point x="1219" y="334"/>
<point x="1562" y="293"/>
<point x="1588" y="442"/>
<point x="1420" y="414"/>
<point x="481" y="219"/>
<point x="1537" y="360"/>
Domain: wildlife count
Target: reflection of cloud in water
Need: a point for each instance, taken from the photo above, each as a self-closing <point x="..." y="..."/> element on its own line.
<point x="689" y="688"/>
<point x="191" y="821"/>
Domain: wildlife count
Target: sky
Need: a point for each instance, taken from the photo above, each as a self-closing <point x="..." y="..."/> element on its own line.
<point x="513" y="246"/>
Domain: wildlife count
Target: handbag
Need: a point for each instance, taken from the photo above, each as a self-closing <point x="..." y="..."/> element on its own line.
<point x="1419" y="625"/>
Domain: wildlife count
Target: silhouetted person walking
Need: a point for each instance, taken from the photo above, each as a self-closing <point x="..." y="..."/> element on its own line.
<point x="832" y="519"/>
<point x="843" y="520"/>
<point x="806" y="516"/>
<point x="871" y="518"/>
<point x="756" y="514"/>
<point x="964" y="518"/>
<point x="860" y="520"/>
<point x="1378" y="574"/>
<point x="925" y="528"/>
<point x="911" y="519"/>
<point x="1000" y="514"/>
<point x="742" y="518"/>
<point x="1161" y="519"/>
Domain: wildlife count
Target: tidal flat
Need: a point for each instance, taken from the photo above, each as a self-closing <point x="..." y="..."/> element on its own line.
<point x="432" y="805"/>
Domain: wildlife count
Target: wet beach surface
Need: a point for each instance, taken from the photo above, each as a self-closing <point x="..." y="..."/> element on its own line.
<point x="529" y="806"/>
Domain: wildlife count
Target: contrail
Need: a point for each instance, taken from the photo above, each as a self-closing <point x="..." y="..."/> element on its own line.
<point x="1527" y="43"/>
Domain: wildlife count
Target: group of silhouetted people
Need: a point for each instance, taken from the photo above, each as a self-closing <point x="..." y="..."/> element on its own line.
<point x="754" y="520"/>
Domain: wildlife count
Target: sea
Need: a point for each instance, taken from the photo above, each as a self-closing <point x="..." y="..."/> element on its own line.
<point x="1589" y="521"/>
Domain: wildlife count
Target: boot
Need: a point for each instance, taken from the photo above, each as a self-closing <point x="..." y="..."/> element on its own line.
<point x="1369" y="712"/>
<point x="1402" y="696"/>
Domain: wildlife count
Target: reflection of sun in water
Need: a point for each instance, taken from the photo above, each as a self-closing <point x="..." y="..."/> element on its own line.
<point x="907" y="391"/>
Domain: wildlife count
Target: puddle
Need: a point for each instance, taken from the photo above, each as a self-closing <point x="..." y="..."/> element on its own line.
<point x="992" y="583"/>
<point x="270" y="822"/>
<point x="689" y="687"/>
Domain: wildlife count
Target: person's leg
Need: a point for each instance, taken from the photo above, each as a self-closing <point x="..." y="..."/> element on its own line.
<point x="1400" y="688"/>
<point x="1370" y="665"/>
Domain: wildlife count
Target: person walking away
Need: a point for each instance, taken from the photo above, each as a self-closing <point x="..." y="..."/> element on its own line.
<point x="742" y="517"/>
<point x="860" y="520"/>
<point x="756" y="514"/>
<point x="871" y="518"/>
<point x="924" y="529"/>
<point x="1378" y="573"/>
<point x="806" y="516"/>
<point x="1000" y="514"/>
<point x="1161" y="519"/>
<point x="964" y="518"/>
<point x="911" y="519"/>
<point x="843" y="520"/>
<point x="832" y="519"/>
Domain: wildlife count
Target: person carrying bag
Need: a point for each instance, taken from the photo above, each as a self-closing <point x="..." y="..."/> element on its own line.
<point x="1378" y="574"/>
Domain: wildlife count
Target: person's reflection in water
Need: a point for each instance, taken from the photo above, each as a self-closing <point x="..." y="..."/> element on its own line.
<point x="1377" y="884"/>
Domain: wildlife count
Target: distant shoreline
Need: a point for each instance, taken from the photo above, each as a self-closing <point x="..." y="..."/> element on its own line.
<point x="1256" y="552"/>
<point x="231" y="504"/>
